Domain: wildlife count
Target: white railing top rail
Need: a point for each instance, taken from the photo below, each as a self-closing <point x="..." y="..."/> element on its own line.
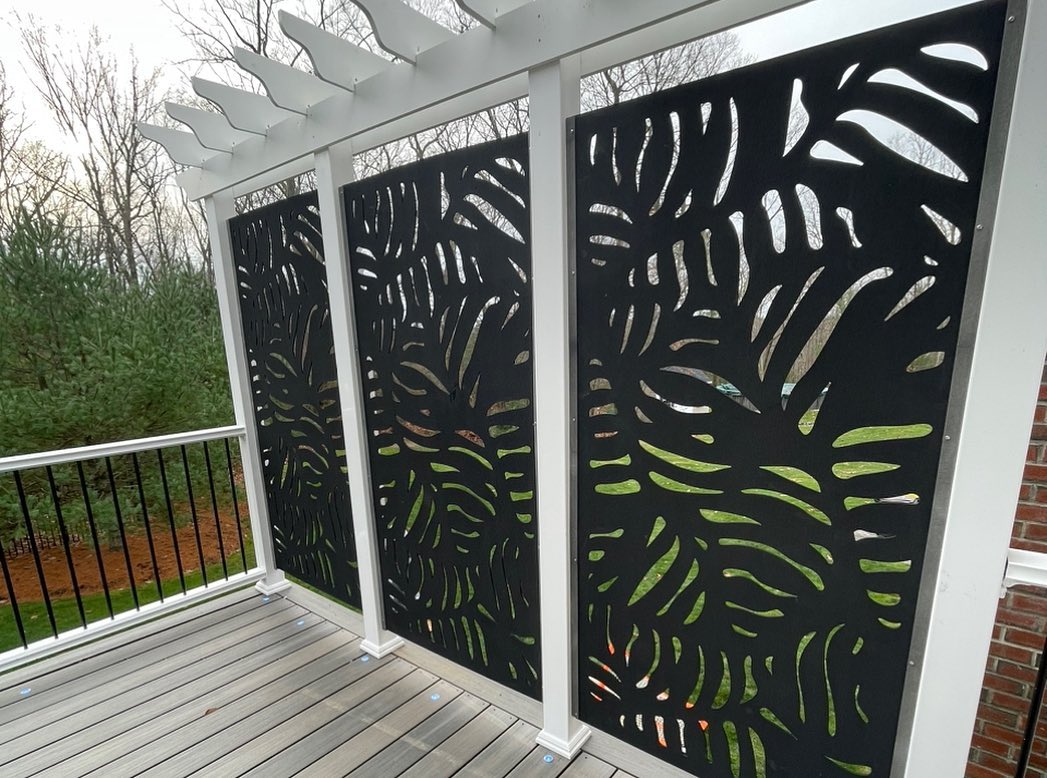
<point x="81" y="453"/>
<point x="441" y="76"/>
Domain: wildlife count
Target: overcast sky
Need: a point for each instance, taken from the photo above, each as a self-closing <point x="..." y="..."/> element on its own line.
<point x="150" y="29"/>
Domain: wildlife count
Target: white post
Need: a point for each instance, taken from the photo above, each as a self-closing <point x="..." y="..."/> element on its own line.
<point x="554" y="95"/>
<point x="991" y="446"/>
<point x="220" y="208"/>
<point x="334" y="167"/>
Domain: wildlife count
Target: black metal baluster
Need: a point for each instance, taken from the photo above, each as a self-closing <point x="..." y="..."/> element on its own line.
<point x="192" y="508"/>
<point x="214" y="508"/>
<point x="36" y="552"/>
<point x="123" y="534"/>
<point x="171" y="518"/>
<point x="11" y="596"/>
<point x="65" y="545"/>
<point x="236" y="503"/>
<point x="94" y="538"/>
<point x="1034" y="715"/>
<point x="148" y="529"/>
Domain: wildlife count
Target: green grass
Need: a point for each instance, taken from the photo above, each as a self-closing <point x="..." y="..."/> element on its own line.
<point x="67" y="617"/>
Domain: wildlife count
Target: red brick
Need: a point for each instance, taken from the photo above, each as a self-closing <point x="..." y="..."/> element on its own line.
<point x="1039" y="432"/>
<point x="1035" y="531"/>
<point x="1009" y="701"/>
<point x="1001" y="684"/>
<point x="1013" y="737"/>
<point x="1035" y="472"/>
<point x="1022" y="656"/>
<point x="996" y="763"/>
<point x="979" y="771"/>
<point x="1031" y="512"/>
<point x="1025" y="675"/>
<point x="1020" y="637"/>
<point x="987" y="745"/>
<point x="1027" y="492"/>
<point x="1025" y="620"/>
<point x="987" y="714"/>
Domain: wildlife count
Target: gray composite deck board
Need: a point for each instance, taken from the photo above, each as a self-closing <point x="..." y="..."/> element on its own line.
<point x="504" y="754"/>
<point x="410" y="747"/>
<point x="146" y="723"/>
<point x="65" y="684"/>
<point x="454" y="753"/>
<point x="246" y="685"/>
<point x="133" y="686"/>
<point x="110" y="650"/>
<point x="380" y="691"/>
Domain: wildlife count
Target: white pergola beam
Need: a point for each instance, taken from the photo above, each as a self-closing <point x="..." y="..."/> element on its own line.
<point x="244" y="110"/>
<point x="487" y="11"/>
<point x="534" y="34"/>
<point x="286" y="86"/>
<point x="181" y="146"/>
<point x="401" y="30"/>
<point x="334" y="59"/>
<point x="213" y="130"/>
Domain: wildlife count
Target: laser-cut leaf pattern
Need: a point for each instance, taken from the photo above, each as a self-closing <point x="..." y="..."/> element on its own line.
<point x="284" y="308"/>
<point x="768" y="299"/>
<point x="440" y="255"/>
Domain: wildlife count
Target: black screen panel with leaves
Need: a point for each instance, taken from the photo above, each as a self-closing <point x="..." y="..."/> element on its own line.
<point x="440" y="265"/>
<point x="286" y="317"/>
<point x="771" y="267"/>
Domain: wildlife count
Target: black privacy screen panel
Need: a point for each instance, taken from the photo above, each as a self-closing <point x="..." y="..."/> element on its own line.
<point x="286" y="318"/>
<point x="770" y="276"/>
<point x="441" y="271"/>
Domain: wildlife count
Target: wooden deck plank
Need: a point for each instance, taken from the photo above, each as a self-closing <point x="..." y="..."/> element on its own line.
<point x="258" y="737"/>
<point x="98" y="745"/>
<point x="540" y="761"/>
<point x="409" y="748"/>
<point x="330" y="671"/>
<point x="112" y="648"/>
<point x="501" y="756"/>
<point x="587" y="766"/>
<point x="124" y="693"/>
<point x="455" y="752"/>
<point x="377" y="732"/>
<point x="63" y="686"/>
<point x="623" y="774"/>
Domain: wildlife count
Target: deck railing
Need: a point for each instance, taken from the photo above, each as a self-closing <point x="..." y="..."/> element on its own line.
<point x="94" y="537"/>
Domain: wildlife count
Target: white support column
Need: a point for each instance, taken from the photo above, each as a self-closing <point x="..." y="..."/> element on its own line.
<point x="220" y="208"/>
<point x="554" y="95"/>
<point x="991" y="447"/>
<point x="334" y="167"/>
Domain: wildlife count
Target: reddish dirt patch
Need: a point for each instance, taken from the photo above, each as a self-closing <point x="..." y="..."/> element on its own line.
<point x="85" y="561"/>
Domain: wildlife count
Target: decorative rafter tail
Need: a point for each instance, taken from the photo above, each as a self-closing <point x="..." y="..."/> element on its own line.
<point x="335" y="60"/>
<point x="286" y="86"/>
<point x="244" y="110"/>
<point x="487" y="11"/>
<point x="182" y="147"/>
<point x="211" y="129"/>
<point x="401" y="30"/>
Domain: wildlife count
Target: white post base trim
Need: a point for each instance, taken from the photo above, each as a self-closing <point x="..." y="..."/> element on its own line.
<point x="273" y="583"/>
<point x="566" y="749"/>
<point x="379" y="650"/>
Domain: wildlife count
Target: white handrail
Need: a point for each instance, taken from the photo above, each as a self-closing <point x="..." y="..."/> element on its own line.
<point x="1025" y="568"/>
<point x="79" y="454"/>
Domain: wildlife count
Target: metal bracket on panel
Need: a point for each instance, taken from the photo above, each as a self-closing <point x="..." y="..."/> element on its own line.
<point x="566" y="748"/>
<point x="379" y="650"/>
<point x="182" y="147"/>
<point x="401" y="30"/>
<point x="212" y="129"/>
<point x="286" y="86"/>
<point x="334" y="59"/>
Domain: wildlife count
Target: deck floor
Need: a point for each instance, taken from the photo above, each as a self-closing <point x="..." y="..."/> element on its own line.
<point x="247" y="685"/>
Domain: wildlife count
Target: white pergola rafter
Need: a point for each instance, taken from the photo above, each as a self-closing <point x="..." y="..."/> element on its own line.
<point x="441" y="76"/>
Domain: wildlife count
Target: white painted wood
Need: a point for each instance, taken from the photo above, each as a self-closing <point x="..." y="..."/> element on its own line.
<point x="487" y="11"/>
<point x="992" y="441"/>
<point x="555" y="94"/>
<point x="286" y="86"/>
<point x="244" y="110"/>
<point x="1025" y="568"/>
<point x="211" y="129"/>
<point x="183" y="147"/>
<point x="41" y="649"/>
<point x="219" y="209"/>
<point x="334" y="59"/>
<point x="136" y="446"/>
<point x="334" y="167"/>
<point x="401" y="30"/>
<point x="449" y="74"/>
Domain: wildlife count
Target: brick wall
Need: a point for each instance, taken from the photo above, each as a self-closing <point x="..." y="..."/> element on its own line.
<point x="1018" y="637"/>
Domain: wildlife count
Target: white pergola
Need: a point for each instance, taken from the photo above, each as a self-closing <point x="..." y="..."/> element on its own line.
<point x="356" y="100"/>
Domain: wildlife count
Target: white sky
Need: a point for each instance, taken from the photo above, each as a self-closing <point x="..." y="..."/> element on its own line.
<point x="151" y="30"/>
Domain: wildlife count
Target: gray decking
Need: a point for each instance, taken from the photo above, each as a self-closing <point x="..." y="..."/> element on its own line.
<point x="244" y="686"/>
